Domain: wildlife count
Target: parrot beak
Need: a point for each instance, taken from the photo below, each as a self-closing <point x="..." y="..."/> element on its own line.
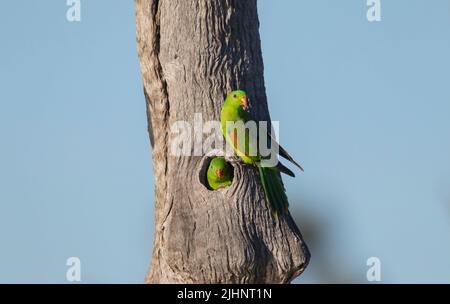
<point x="219" y="173"/>
<point x="244" y="101"/>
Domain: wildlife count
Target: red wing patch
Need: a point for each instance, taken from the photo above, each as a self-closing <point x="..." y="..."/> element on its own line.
<point x="234" y="139"/>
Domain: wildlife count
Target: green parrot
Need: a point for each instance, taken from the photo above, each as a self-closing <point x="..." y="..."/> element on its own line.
<point x="219" y="174"/>
<point x="234" y="110"/>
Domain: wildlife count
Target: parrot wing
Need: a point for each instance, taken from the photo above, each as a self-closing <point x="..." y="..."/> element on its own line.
<point x="281" y="151"/>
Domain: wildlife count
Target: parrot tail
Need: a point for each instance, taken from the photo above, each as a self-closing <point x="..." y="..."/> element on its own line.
<point x="273" y="189"/>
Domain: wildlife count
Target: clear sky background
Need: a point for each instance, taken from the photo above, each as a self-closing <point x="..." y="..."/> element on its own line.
<point x="364" y="106"/>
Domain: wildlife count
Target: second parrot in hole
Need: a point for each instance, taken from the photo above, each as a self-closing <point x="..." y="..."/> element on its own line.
<point x="219" y="174"/>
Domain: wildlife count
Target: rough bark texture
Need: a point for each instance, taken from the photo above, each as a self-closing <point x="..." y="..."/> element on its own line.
<point x="192" y="52"/>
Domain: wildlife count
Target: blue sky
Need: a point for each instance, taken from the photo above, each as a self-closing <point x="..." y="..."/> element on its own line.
<point x="364" y="107"/>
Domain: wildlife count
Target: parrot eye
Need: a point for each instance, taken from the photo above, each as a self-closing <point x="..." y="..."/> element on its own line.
<point x="234" y="96"/>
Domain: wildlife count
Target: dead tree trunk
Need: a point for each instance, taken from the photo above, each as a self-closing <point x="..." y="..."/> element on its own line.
<point x="192" y="52"/>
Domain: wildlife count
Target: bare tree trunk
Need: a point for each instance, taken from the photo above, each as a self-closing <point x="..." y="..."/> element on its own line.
<point x="192" y="52"/>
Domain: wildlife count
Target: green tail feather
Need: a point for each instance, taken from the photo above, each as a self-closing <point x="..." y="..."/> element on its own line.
<point x="273" y="190"/>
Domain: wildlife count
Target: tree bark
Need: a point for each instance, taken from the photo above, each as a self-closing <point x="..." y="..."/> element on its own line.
<point x="192" y="52"/>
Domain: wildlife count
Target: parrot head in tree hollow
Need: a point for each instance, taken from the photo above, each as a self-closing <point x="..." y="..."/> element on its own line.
<point x="219" y="174"/>
<point x="247" y="148"/>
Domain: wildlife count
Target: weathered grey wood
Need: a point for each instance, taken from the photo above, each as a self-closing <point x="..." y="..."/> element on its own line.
<point x="192" y="52"/>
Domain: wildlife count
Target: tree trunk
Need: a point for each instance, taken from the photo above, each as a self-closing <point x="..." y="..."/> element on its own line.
<point x="192" y="52"/>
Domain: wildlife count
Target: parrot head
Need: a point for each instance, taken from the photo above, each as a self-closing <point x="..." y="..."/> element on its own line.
<point x="220" y="169"/>
<point x="237" y="98"/>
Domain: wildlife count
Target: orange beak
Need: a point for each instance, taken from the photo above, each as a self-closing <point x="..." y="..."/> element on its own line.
<point x="219" y="173"/>
<point x="244" y="102"/>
